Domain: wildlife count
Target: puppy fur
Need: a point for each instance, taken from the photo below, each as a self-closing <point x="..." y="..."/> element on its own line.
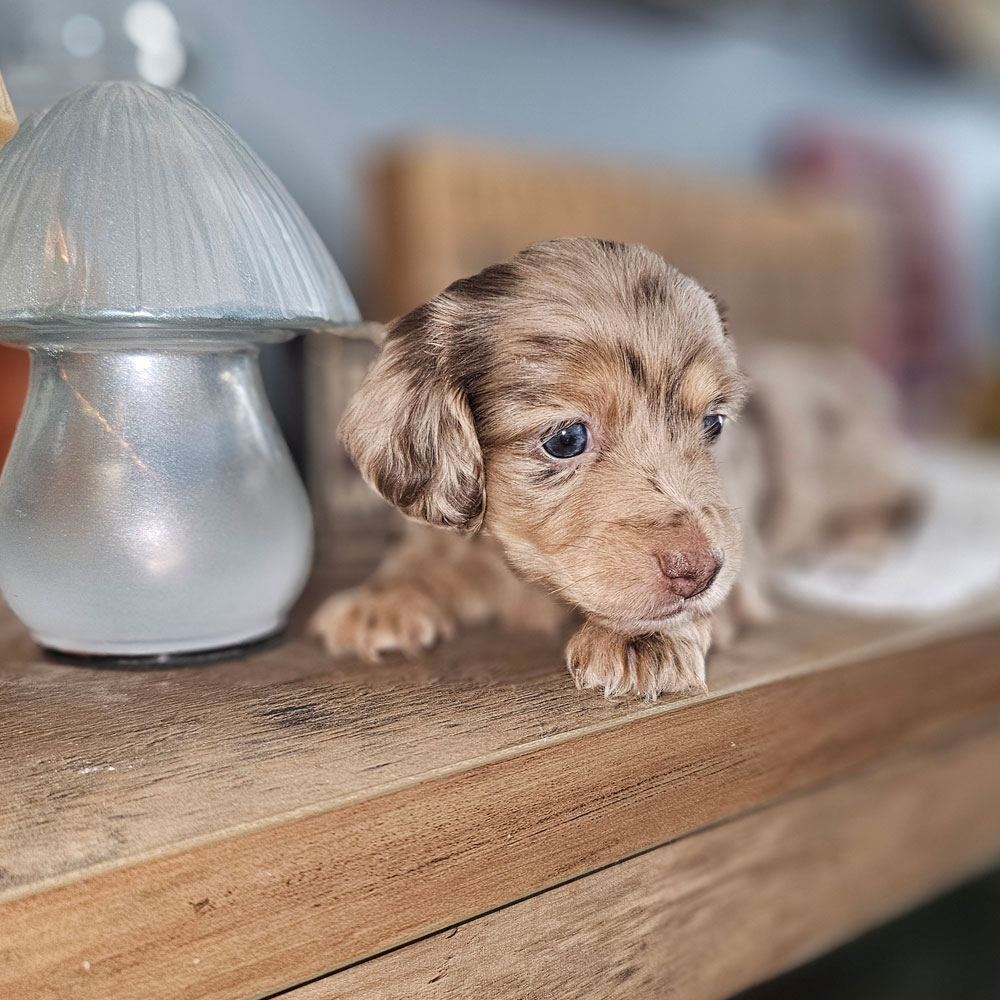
<point x="449" y="427"/>
<point x="636" y="531"/>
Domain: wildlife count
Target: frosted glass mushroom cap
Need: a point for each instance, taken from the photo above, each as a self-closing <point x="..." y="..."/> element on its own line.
<point x="125" y="205"/>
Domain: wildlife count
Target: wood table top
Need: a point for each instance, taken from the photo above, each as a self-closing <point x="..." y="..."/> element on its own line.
<point x="243" y="796"/>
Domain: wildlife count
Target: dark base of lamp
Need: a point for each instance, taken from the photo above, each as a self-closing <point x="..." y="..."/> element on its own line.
<point x="166" y="661"/>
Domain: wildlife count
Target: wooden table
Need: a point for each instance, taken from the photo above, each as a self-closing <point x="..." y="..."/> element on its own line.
<point x="470" y="826"/>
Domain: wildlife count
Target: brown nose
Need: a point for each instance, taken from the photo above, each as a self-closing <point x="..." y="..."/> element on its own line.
<point x="689" y="573"/>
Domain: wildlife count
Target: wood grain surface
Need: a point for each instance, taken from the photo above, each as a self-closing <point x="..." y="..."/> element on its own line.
<point x="501" y="781"/>
<point x="108" y="768"/>
<point x="726" y="908"/>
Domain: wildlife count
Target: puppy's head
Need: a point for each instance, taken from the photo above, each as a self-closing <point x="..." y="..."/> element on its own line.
<point x="566" y="401"/>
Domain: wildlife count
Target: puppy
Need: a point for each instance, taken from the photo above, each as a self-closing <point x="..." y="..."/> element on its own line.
<point x="817" y="463"/>
<point x="835" y="466"/>
<point x="568" y="419"/>
<point x="558" y="414"/>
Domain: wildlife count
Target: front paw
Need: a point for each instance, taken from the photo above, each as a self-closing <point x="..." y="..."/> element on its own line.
<point x="746" y="606"/>
<point x="373" y="620"/>
<point x="646" y="665"/>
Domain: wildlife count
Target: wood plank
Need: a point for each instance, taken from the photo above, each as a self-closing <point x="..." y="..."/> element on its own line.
<point x="108" y="768"/>
<point x="284" y="902"/>
<point x="728" y="907"/>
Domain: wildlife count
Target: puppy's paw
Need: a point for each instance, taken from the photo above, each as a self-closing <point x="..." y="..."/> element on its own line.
<point x="747" y="606"/>
<point x="726" y="627"/>
<point x="532" y="610"/>
<point x="646" y="665"/>
<point x="753" y="605"/>
<point x="373" y="620"/>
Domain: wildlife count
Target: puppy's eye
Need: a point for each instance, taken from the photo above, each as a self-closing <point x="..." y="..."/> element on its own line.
<point x="712" y="425"/>
<point x="568" y="442"/>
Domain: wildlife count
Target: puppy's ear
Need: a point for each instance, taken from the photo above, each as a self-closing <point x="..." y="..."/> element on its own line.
<point x="410" y="431"/>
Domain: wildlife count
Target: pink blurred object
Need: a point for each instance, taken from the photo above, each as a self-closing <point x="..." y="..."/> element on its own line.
<point x="923" y="334"/>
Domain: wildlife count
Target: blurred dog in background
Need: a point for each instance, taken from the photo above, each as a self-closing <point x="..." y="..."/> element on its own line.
<point x="569" y="417"/>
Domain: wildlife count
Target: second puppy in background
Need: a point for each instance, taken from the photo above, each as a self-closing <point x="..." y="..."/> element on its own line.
<point x="560" y="413"/>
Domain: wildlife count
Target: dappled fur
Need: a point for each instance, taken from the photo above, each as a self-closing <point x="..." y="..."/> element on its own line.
<point x="448" y="426"/>
<point x="410" y="430"/>
<point x="449" y="423"/>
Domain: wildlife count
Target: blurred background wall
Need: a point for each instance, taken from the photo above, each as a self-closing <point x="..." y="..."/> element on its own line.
<point x="316" y="86"/>
<point x="313" y="85"/>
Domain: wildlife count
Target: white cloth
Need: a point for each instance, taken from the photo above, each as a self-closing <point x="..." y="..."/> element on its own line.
<point x="951" y="558"/>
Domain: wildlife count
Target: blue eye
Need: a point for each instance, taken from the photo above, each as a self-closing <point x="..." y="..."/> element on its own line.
<point x="568" y="442"/>
<point x="712" y="425"/>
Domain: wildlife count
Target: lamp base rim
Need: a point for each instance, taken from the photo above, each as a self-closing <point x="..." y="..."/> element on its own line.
<point x="139" y="655"/>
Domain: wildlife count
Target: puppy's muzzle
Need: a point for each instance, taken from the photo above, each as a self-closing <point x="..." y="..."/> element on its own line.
<point x="687" y="573"/>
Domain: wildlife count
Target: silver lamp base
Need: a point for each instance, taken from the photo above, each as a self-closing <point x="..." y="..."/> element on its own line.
<point x="149" y="505"/>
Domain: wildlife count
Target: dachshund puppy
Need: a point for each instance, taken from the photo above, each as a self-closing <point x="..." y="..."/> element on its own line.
<point x="558" y="413"/>
<point x="561" y="426"/>
<point x="816" y="464"/>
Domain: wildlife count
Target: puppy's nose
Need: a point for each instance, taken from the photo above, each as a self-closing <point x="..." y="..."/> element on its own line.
<point x="689" y="573"/>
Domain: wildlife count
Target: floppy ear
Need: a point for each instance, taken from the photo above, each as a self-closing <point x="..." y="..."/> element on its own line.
<point x="410" y="431"/>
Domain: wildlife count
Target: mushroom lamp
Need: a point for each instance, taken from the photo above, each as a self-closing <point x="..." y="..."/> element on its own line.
<point x="149" y="505"/>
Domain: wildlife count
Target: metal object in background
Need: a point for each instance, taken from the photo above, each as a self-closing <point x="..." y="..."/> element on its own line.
<point x="149" y="504"/>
